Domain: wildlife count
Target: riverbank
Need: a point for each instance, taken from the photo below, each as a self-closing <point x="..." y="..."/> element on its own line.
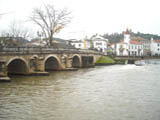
<point x="105" y="60"/>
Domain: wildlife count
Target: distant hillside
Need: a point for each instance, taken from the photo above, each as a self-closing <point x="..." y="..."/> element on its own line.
<point x="116" y="37"/>
<point x="59" y="40"/>
<point x="113" y="38"/>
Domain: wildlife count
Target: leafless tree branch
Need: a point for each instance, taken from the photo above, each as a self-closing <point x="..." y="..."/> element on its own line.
<point x="50" y="20"/>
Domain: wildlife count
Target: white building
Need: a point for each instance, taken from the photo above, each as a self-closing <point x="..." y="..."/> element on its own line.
<point x="87" y="44"/>
<point x="155" y="47"/>
<point x="146" y="45"/>
<point x="128" y="47"/>
<point x="78" y="44"/>
<point x="96" y="42"/>
<point x="37" y="42"/>
<point x="100" y="43"/>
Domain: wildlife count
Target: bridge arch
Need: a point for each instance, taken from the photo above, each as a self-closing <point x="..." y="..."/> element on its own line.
<point x="17" y="65"/>
<point x="52" y="62"/>
<point x="76" y="61"/>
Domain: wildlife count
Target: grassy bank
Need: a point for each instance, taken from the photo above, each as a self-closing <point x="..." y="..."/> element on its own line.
<point x="105" y="60"/>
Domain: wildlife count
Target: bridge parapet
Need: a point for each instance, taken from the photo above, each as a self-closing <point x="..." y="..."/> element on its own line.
<point x="44" y="50"/>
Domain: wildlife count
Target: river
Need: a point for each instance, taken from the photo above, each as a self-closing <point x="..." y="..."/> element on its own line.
<point x="118" y="92"/>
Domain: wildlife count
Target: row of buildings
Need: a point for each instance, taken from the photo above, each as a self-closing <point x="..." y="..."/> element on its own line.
<point x="94" y="43"/>
<point x="129" y="46"/>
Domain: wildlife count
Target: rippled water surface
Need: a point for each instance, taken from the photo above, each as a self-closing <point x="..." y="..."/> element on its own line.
<point x="119" y="92"/>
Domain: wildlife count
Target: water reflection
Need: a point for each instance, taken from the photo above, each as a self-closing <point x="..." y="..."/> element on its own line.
<point x="119" y="92"/>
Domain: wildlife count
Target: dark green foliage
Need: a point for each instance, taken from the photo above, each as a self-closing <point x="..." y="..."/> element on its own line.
<point x="147" y="36"/>
<point x="116" y="37"/>
<point x="113" y="38"/>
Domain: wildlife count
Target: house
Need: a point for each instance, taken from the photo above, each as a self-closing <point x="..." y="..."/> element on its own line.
<point x="88" y="44"/>
<point x="36" y="42"/>
<point x="129" y="47"/>
<point x="155" y="47"/>
<point x="146" y="45"/>
<point x="77" y="43"/>
<point x="43" y="42"/>
<point x="95" y="43"/>
<point x="100" y="43"/>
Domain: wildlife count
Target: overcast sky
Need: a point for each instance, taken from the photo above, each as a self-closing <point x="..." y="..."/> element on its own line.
<point x="91" y="16"/>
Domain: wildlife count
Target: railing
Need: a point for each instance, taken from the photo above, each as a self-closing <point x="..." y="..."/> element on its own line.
<point x="43" y="50"/>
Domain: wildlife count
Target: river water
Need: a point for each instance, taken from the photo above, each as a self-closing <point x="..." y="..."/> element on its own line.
<point x="118" y="92"/>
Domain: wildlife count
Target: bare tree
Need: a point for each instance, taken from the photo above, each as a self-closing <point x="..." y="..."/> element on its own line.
<point x="16" y="29"/>
<point x="16" y="34"/>
<point x="50" y="20"/>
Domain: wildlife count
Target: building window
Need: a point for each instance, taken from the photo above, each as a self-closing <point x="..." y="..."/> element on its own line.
<point x="0" y="67"/>
<point x="158" y="49"/>
<point x="157" y="44"/>
<point x="98" y="43"/>
<point x="79" y="45"/>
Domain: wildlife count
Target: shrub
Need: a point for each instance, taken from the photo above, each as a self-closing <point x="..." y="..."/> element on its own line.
<point x="105" y="60"/>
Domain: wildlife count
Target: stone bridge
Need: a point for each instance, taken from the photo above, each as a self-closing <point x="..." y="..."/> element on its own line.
<point x="36" y="61"/>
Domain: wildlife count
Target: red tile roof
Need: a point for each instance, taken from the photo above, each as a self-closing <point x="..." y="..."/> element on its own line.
<point x="131" y="42"/>
<point x="135" y="42"/>
<point x="157" y="41"/>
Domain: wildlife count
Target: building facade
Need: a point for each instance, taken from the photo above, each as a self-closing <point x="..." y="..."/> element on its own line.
<point x="146" y="45"/>
<point x="100" y="43"/>
<point x="95" y="43"/>
<point x="128" y="47"/>
<point x="79" y="44"/>
<point x="155" y="47"/>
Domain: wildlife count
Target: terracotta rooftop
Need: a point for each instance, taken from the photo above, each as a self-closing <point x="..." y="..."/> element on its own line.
<point x="157" y="41"/>
<point x="134" y="42"/>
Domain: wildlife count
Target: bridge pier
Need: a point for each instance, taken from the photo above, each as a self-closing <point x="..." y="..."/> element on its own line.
<point x="37" y="66"/>
<point x="3" y="72"/>
<point x="87" y="61"/>
<point x="67" y="63"/>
